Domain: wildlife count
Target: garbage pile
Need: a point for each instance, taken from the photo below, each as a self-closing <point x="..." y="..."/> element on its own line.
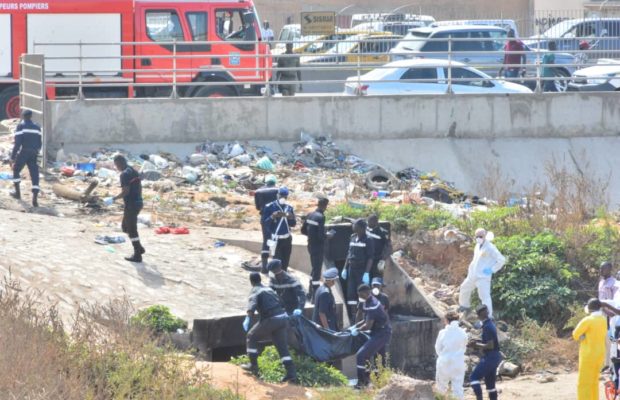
<point x="218" y="179"/>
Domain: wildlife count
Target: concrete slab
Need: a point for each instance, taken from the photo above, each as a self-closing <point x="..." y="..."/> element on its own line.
<point x="185" y="272"/>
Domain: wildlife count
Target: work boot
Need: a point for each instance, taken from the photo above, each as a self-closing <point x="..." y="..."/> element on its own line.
<point x="252" y="366"/>
<point x="291" y="374"/>
<point x="16" y="194"/>
<point x="35" y="195"/>
<point x="138" y="250"/>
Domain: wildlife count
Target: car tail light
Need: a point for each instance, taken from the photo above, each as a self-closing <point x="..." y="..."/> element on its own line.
<point x="361" y="90"/>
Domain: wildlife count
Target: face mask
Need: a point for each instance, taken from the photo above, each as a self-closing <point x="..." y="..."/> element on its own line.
<point x="361" y="300"/>
<point x="282" y="201"/>
<point x="376" y="291"/>
<point x="479" y="240"/>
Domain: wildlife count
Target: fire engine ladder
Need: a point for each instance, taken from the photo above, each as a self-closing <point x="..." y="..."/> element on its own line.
<point x="32" y="93"/>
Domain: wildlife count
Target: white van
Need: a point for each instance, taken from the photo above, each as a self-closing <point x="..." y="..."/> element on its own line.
<point x="502" y="23"/>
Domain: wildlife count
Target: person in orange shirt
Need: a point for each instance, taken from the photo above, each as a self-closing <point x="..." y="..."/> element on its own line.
<point x="590" y="333"/>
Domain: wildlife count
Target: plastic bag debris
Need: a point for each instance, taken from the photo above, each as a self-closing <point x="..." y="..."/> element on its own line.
<point x="265" y="164"/>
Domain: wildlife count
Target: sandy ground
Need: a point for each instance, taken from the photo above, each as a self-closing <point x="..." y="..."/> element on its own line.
<point x="228" y="376"/>
<point x="59" y="257"/>
<point x="528" y="388"/>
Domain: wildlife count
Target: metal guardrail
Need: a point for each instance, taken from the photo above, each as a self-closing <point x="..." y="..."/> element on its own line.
<point x="334" y="60"/>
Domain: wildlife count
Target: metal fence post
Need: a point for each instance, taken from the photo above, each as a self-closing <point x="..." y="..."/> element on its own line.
<point x="359" y="68"/>
<point x="267" y="69"/>
<point x="449" y="91"/>
<point x="174" y="93"/>
<point x="80" y="83"/>
<point x="538" y="68"/>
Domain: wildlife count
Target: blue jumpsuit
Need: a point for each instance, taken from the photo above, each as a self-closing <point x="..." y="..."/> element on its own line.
<point x="279" y="229"/>
<point x="25" y="152"/>
<point x="380" y="336"/>
<point x="487" y="367"/>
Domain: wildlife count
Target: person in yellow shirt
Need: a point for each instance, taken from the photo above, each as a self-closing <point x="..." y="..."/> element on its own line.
<point x="590" y="333"/>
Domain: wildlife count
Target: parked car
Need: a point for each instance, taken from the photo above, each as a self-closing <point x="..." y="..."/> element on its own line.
<point x="319" y="44"/>
<point x="568" y="34"/>
<point x="602" y="77"/>
<point x="365" y="48"/>
<point x="427" y="76"/>
<point x="395" y="27"/>
<point x="500" y="23"/>
<point x="288" y="33"/>
<point x="483" y="49"/>
<point x="358" y="19"/>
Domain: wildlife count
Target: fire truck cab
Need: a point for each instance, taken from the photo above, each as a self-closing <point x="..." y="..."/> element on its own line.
<point x="134" y="48"/>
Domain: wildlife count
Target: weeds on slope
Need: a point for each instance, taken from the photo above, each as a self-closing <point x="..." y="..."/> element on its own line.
<point x="100" y="357"/>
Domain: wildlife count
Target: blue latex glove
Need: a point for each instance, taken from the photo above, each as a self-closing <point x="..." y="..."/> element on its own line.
<point x="366" y="278"/>
<point x="354" y="331"/>
<point x="487" y="271"/>
<point x="344" y="275"/>
<point x="297" y="312"/>
<point x="108" y="201"/>
<point x="246" y="324"/>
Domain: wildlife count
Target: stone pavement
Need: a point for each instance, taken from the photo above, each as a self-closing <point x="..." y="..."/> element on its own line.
<point x="184" y="272"/>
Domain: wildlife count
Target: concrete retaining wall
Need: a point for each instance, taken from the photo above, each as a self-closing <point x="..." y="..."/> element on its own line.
<point x="457" y="136"/>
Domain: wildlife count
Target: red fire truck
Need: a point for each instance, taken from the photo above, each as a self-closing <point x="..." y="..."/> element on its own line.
<point x="114" y="46"/>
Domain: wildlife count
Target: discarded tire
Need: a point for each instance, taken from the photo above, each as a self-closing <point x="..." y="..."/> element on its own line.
<point x="378" y="179"/>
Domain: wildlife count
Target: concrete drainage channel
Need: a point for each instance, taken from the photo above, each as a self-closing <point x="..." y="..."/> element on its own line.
<point x="415" y="322"/>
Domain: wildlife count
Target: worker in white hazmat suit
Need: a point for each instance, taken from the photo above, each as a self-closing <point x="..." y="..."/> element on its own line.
<point x="450" y="348"/>
<point x="487" y="261"/>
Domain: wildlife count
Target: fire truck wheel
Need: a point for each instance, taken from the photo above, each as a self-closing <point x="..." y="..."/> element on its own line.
<point x="214" y="91"/>
<point x="9" y="103"/>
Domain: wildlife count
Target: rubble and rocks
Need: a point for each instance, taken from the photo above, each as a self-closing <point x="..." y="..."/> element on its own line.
<point x="402" y="387"/>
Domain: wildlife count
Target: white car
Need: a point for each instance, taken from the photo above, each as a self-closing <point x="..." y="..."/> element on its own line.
<point x="427" y="76"/>
<point x="603" y="77"/>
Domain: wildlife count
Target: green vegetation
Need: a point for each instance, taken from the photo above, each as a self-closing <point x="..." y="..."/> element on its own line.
<point x="552" y="262"/>
<point x="159" y="319"/>
<point x="404" y="218"/>
<point x="528" y="339"/>
<point x="309" y="372"/>
<point x="536" y="280"/>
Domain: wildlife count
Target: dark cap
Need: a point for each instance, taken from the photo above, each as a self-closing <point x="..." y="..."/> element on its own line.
<point x="26" y="113"/>
<point x="331" y="274"/>
<point x="363" y="288"/>
<point x="361" y="222"/>
<point x="274" y="265"/>
<point x="481" y="307"/>
<point x="255" y="277"/>
<point x="377" y="281"/>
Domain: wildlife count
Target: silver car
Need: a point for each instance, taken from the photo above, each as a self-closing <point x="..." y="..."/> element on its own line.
<point x="479" y="46"/>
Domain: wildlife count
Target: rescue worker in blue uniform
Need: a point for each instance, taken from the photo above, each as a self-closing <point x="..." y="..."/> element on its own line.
<point x="381" y="241"/>
<point x="314" y="228"/>
<point x="273" y="324"/>
<point x="25" y="153"/>
<point x="279" y="218"/>
<point x="377" y="322"/>
<point x="131" y="193"/>
<point x="287" y="287"/>
<point x="489" y="362"/>
<point x="359" y="261"/>
<point x="325" y="303"/>
<point x="262" y="197"/>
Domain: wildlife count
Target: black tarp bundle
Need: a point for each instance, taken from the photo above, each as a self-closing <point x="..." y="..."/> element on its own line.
<point x="322" y="344"/>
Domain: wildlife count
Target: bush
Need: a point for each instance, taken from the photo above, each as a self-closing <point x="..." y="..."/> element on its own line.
<point x="502" y="221"/>
<point x="528" y="340"/>
<point x="159" y="319"/>
<point x="406" y="217"/>
<point x="309" y="372"/>
<point x="536" y="281"/>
